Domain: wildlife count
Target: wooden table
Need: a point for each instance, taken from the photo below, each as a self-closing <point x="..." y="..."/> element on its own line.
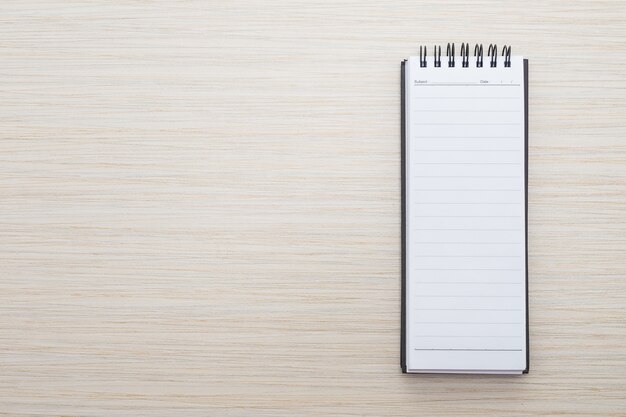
<point x="199" y="211"/>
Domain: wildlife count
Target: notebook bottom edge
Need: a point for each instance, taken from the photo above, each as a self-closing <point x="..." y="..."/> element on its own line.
<point x="458" y="371"/>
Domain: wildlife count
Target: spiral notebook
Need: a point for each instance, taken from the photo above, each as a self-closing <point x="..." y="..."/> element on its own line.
<point x="464" y="206"/>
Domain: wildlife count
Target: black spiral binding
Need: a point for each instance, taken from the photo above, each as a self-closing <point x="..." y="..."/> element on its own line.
<point x="506" y="53"/>
<point x="437" y="55"/>
<point x="492" y="53"/>
<point x="465" y="55"/>
<point x="450" y="53"/>
<point x="478" y="53"/>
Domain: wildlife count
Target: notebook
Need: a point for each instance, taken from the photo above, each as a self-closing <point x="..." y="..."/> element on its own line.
<point x="464" y="212"/>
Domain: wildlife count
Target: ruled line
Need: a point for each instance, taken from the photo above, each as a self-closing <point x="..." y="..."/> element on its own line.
<point x="466" y="337"/>
<point x="466" y="269"/>
<point x="415" y="150"/>
<point x="465" y="124"/>
<point x="467" y="282"/>
<point x="467" y="309"/>
<point x="466" y="296"/>
<point x="439" y="97"/>
<point x="466" y="176"/>
<point x="468" y="230"/>
<point x="467" y="256"/>
<point x="466" y="189"/>
<point x="466" y="137"/>
<point x="473" y="350"/>
<point x="465" y="111"/>
<point x="466" y="163"/>
<point x="486" y="204"/>
<point x="435" y="84"/>
<point x="468" y="216"/>
<point x="468" y="322"/>
<point x="471" y="243"/>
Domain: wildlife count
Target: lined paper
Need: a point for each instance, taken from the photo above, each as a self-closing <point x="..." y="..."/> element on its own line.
<point x="465" y="179"/>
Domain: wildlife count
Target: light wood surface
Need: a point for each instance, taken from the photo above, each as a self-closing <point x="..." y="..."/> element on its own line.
<point x="199" y="208"/>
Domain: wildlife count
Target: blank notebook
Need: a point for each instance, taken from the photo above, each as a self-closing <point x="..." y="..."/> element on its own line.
<point x="464" y="186"/>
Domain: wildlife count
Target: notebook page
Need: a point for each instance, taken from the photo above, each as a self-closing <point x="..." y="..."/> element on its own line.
<point x="465" y="181"/>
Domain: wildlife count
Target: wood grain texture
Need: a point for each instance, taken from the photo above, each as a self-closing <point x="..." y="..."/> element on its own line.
<point x="199" y="209"/>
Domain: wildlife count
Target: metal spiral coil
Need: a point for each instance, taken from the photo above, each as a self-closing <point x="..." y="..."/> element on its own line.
<point x="492" y="54"/>
<point x="450" y="53"/>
